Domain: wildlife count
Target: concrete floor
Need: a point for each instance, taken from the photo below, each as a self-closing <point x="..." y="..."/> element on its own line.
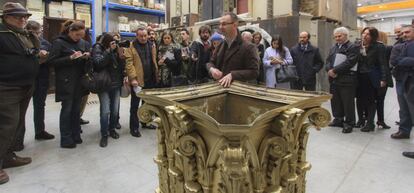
<point x="352" y="163"/>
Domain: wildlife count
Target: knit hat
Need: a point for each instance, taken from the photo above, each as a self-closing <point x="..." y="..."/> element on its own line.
<point x="216" y="37"/>
<point x="11" y="8"/>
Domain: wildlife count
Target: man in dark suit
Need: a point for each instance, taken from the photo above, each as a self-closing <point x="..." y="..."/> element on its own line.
<point x="343" y="80"/>
<point x="235" y="58"/>
<point x="404" y="66"/>
<point x="308" y="62"/>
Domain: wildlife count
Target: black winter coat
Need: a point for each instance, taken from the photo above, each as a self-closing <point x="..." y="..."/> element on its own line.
<point x="199" y="72"/>
<point x="346" y="76"/>
<point x="308" y="62"/>
<point x="18" y="67"/>
<point x="374" y="63"/>
<point x="109" y="61"/>
<point x="68" y="72"/>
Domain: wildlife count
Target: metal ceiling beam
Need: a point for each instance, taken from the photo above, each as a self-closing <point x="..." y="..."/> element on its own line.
<point x="407" y="4"/>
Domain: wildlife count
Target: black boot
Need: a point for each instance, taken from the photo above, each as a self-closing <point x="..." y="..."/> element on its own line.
<point x="347" y="128"/>
<point x="368" y="127"/>
<point x="383" y="125"/>
<point x="104" y="141"/>
<point x="114" y="134"/>
<point x="361" y="123"/>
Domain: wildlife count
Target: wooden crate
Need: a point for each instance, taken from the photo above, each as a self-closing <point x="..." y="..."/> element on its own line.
<point x="340" y="11"/>
<point x="321" y="8"/>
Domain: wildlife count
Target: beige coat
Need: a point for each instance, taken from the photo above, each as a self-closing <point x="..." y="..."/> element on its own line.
<point x="134" y="67"/>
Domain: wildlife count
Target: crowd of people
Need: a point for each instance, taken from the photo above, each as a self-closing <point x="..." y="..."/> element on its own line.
<point x="357" y="70"/>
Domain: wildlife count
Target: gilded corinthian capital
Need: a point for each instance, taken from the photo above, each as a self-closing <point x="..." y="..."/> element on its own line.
<point x="240" y="139"/>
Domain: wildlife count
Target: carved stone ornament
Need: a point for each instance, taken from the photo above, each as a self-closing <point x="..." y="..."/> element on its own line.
<point x="241" y="139"/>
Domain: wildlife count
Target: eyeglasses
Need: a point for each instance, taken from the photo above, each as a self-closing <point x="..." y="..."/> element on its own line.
<point x="224" y="23"/>
<point x="19" y="17"/>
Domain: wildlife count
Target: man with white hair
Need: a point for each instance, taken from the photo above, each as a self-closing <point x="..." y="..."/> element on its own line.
<point x="341" y="67"/>
<point x="247" y="36"/>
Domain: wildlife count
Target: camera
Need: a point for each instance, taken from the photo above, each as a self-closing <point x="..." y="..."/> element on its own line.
<point x="31" y="51"/>
<point x="123" y="44"/>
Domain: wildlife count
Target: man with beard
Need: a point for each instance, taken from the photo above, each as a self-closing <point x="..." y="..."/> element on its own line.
<point x="308" y="62"/>
<point x="152" y="36"/>
<point x="200" y="55"/>
<point x="185" y="54"/>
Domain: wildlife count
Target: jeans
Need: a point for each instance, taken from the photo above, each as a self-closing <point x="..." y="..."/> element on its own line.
<point x="13" y="105"/>
<point x="69" y="120"/>
<point x="405" y="94"/>
<point x="39" y="99"/>
<point x="109" y="110"/>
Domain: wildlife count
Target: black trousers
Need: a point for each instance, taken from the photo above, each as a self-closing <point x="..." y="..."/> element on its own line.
<point x="380" y="94"/>
<point x="133" y="116"/>
<point x="13" y="106"/>
<point x="39" y="99"/>
<point x="69" y="120"/>
<point x="366" y="95"/>
<point x="343" y="102"/>
<point x="298" y="85"/>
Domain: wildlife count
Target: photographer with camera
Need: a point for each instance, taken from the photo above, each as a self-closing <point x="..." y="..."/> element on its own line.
<point x="70" y="55"/>
<point x="19" y="65"/>
<point x="106" y="56"/>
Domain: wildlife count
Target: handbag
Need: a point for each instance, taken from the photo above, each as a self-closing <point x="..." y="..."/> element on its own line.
<point x="96" y="82"/>
<point x="286" y="73"/>
<point x="125" y="90"/>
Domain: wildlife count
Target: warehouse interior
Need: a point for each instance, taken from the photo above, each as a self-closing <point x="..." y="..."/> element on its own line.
<point x="354" y="163"/>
